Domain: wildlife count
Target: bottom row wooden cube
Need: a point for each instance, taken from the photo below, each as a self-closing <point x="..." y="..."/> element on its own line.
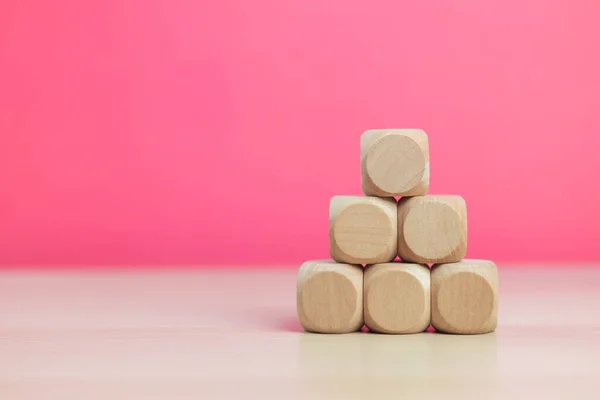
<point x="464" y="297"/>
<point x="330" y="297"/>
<point x="398" y="298"/>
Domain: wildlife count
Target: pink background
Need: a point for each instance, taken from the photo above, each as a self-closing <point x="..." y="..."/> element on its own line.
<point x="192" y="132"/>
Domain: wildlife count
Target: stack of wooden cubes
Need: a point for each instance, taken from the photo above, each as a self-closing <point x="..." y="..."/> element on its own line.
<point x="397" y="254"/>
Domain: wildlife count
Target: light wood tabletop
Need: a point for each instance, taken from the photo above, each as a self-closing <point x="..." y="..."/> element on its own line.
<point x="233" y="334"/>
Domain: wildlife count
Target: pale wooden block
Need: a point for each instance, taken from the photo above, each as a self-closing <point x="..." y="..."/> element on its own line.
<point x="362" y="229"/>
<point x="397" y="297"/>
<point x="330" y="297"/>
<point x="394" y="162"/>
<point x="464" y="297"/>
<point x="432" y="229"/>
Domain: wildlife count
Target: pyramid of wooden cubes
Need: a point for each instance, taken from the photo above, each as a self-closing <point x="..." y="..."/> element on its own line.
<point x="397" y="253"/>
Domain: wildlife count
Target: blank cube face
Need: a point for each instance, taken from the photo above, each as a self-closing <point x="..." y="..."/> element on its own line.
<point x="394" y="162"/>
<point x="330" y="297"/>
<point x="432" y="229"/>
<point x="363" y="230"/>
<point x="397" y="298"/>
<point x="464" y="297"/>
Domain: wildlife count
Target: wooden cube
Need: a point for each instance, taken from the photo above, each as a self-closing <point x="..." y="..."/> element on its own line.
<point x="432" y="229"/>
<point x="397" y="298"/>
<point x="330" y="297"/>
<point x="394" y="162"/>
<point x="362" y="230"/>
<point x="464" y="297"/>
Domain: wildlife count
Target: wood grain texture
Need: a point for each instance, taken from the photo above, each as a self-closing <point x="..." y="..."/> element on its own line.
<point x="330" y="297"/>
<point x="397" y="298"/>
<point x="363" y="229"/>
<point x="464" y="297"/>
<point x="432" y="229"/>
<point x="394" y="162"/>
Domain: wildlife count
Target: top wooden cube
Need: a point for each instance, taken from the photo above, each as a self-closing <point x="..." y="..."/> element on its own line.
<point x="394" y="162"/>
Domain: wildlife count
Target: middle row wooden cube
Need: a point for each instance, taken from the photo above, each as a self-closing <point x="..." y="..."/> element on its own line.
<point x="422" y="229"/>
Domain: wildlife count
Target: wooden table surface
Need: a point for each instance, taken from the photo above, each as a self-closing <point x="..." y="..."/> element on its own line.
<point x="233" y="334"/>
